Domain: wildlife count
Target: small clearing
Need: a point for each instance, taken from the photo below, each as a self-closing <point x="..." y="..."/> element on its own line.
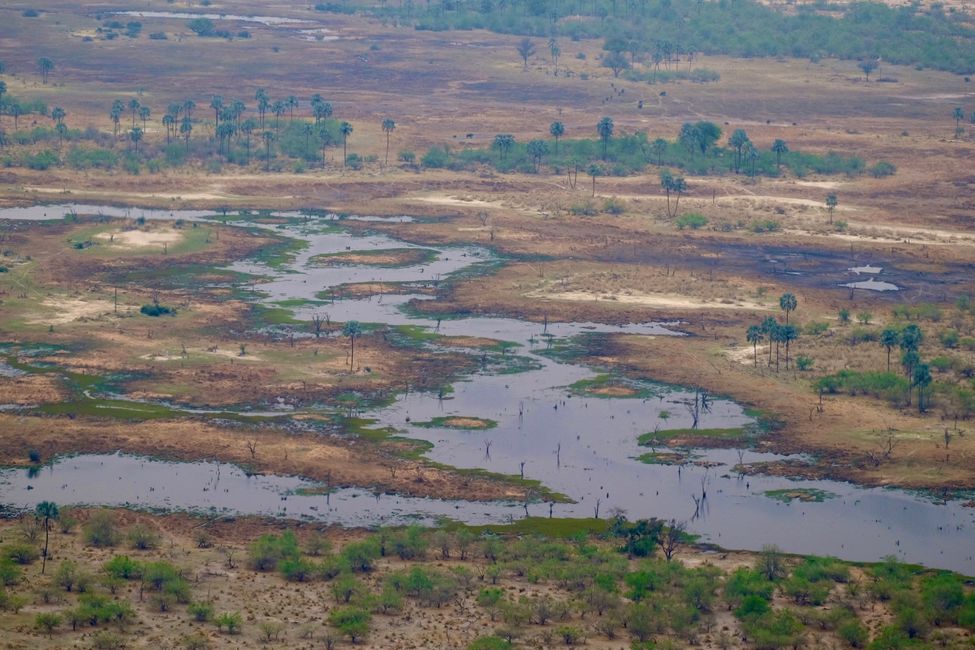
<point x="655" y="300"/>
<point x="140" y="238"/>
<point x="68" y="310"/>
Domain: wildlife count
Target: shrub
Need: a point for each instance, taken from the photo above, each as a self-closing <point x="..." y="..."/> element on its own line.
<point x="123" y="567"/>
<point x="692" y="220"/>
<point x="229" y="620"/>
<point x="804" y="363"/>
<point x="351" y="621"/>
<point x="883" y="169"/>
<point x="949" y="339"/>
<point x="268" y="550"/>
<point x="9" y="573"/>
<point x="155" y="310"/>
<point x="200" y="611"/>
<point x="614" y="206"/>
<point x="47" y="622"/>
<point x="21" y="553"/>
<point x="853" y="633"/>
<point x="435" y="158"/>
<point x="489" y="643"/>
<point x="142" y="538"/>
<point x="100" y="530"/>
<point x="407" y="157"/>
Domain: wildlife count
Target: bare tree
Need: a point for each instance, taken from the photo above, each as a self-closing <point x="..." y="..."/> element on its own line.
<point x="672" y="538"/>
<point x="320" y="322"/>
<point x="252" y="447"/>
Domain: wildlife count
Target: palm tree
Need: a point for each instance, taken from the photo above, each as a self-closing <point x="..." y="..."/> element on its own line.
<point x="557" y="129"/>
<point x="754" y="336"/>
<point x="188" y="107"/>
<point x="46" y="510"/>
<point x="768" y="326"/>
<point x="263" y="103"/>
<point x="921" y="378"/>
<point x="186" y="129"/>
<point x="136" y="136"/>
<point x="352" y="329"/>
<point x="16" y="111"/>
<point x="224" y="132"/>
<point x="268" y="137"/>
<point x="118" y="107"/>
<point x="46" y="67"/>
<point x="779" y="147"/>
<point x="526" y="48"/>
<point x="555" y="51"/>
<point x="605" y="130"/>
<point x="503" y="142"/>
<point x="788" y="333"/>
<point x="321" y="109"/>
<point x="537" y="149"/>
<point x="292" y="103"/>
<point x="659" y="148"/>
<point x="788" y="303"/>
<point x="346" y="130"/>
<point x="672" y="184"/>
<point x="3" y="89"/>
<point x="216" y="103"/>
<point x="247" y="127"/>
<point x="62" y="130"/>
<point x="595" y="169"/>
<point x="144" y="113"/>
<point x="959" y="115"/>
<point x="889" y="338"/>
<point x="58" y="114"/>
<point x="738" y="140"/>
<point x="325" y="137"/>
<point x="278" y="108"/>
<point x="831" y="203"/>
<point x="168" y="121"/>
<point x="134" y="108"/>
<point x="388" y="126"/>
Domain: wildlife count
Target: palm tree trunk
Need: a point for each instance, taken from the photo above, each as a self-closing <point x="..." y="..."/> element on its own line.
<point x="47" y="532"/>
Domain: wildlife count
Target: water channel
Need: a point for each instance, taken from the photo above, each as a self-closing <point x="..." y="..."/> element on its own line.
<point x="582" y="446"/>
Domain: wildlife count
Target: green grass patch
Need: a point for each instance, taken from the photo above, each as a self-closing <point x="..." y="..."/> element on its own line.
<point x="388" y="258"/>
<point x="554" y="528"/>
<point x="664" y="458"/>
<point x="806" y="495"/>
<point x="610" y="386"/>
<point x="655" y="437"/>
<point x="462" y="422"/>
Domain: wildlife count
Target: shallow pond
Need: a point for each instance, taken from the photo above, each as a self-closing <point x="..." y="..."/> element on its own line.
<point x="581" y="446"/>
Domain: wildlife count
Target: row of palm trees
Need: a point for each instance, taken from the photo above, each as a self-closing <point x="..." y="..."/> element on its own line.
<point x="775" y="332"/>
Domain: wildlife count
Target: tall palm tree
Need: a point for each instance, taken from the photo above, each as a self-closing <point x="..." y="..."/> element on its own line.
<point x="605" y="130"/>
<point x="754" y="336"/>
<point x="247" y="127"/>
<point x="48" y="511"/>
<point x="788" y="303"/>
<point x="136" y="136"/>
<point x="46" y="67"/>
<point x="118" y="107"/>
<point x="58" y="114"/>
<point x="779" y="147"/>
<point x="188" y="107"/>
<point x="268" y="137"/>
<point x="831" y="203"/>
<point x="352" y="329"/>
<point x="168" y="122"/>
<point x="278" y="108"/>
<point x="557" y="130"/>
<point x="346" y="130"/>
<point x="216" y="103"/>
<point x="595" y="169"/>
<point x="388" y="126"/>
<point x="134" y="108"/>
<point x="144" y="113"/>
<point x="292" y="103"/>
<point x="186" y="129"/>
<point x="889" y="338"/>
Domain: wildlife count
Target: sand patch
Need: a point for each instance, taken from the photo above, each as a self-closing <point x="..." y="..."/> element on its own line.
<point x="71" y="309"/>
<point x="443" y="199"/>
<point x="466" y="423"/>
<point x="612" y="391"/>
<point x="140" y="238"/>
<point x="656" y="300"/>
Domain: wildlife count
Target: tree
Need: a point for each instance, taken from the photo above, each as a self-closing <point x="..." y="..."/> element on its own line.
<point x="352" y="621"/>
<point x="555" y="51"/>
<point x="58" y="114"/>
<point x="3" y="89"/>
<point x="831" y="203"/>
<point x="388" y="127"/>
<point x="62" y="130"/>
<point x="557" y="129"/>
<point x="737" y="141"/>
<point x="659" y="148"/>
<point x="325" y="136"/>
<point x="46" y="67"/>
<point x="263" y="104"/>
<point x="921" y="377"/>
<point x="346" y="130"/>
<point x="788" y="334"/>
<point x="754" y="336"/>
<point x="118" y="107"/>
<point x="268" y="138"/>
<point x="144" y="113"/>
<point x="889" y="338"/>
<point x="188" y="107"/>
<point x="779" y="147"/>
<point x="616" y="61"/>
<point x="526" y="48"/>
<point x="291" y="103"/>
<point x="788" y="303"/>
<point x="47" y="511"/>
<point x="911" y="338"/>
<point x="353" y="330"/>
<point x="868" y="66"/>
<point x="186" y="129"/>
<point x="216" y="103"/>
<point x="320" y="108"/>
<point x="672" y="185"/>
<point x="135" y="135"/>
<point x="168" y="121"/>
<point x="537" y="149"/>
<point x="605" y="130"/>
<point x="769" y="327"/>
<point x="278" y="108"/>
<point x="595" y="169"/>
<point x="134" y="108"/>
<point x="672" y="538"/>
<point x="503" y="142"/>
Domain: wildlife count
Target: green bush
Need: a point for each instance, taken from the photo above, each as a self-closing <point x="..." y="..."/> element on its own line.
<point x="156" y="310"/>
<point x="882" y="169"/>
<point x="351" y="621"/>
<point x="200" y="611"/>
<point x="123" y="567"/>
<point x="435" y="158"/>
<point x="692" y="220"/>
<point x="100" y="530"/>
<point x="231" y="621"/>
<point x="489" y="643"/>
<point x="21" y="552"/>
<point x="268" y="550"/>
<point x="47" y="622"/>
